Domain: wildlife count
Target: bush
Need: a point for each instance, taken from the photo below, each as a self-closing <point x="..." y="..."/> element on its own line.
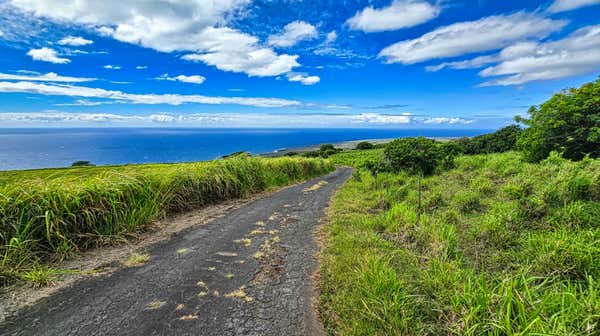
<point x="503" y="140"/>
<point x="364" y="145"/>
<point x="467" y="201"/>
<point x="82" y="164"/>
<point x="580" y="188"/>
<point x="326" y="147"/>
<point x="569" y="123"/>
<point x="419" y="155"/>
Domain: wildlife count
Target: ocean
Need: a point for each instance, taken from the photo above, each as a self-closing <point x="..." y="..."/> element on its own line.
<point x="52" y="147"/>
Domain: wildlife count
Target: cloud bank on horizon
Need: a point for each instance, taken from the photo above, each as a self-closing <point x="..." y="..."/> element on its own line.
<point x="437" y="64"/>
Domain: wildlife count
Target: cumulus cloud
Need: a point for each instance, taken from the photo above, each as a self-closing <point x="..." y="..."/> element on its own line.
<point x="399" y="14"/>
<point x="489" y="33"/>
<point x="466" y="64"/>
<point x="303" y="78"/>
<point x="522" y="62"/>
<point x="141" y="67"/>
<point x="577" y="54"/>
<point x="407" y="118"/>
<point x="377" y="118"/>
<point x="197" y="27"/>
<point x="237" y="52"/>
<point x="47" y="55"/>
<point x="150" y="99"/>
<point x="195" y="79"/>
<point x="331" y="37"/>
<point x="75" y="41"/>
<point x="291" y="120"/>
<point x="64" y="117"/>
<point x="293" y="33"/>
<point x="445" y="120"/>
<point x="567" y="5"/>
<point x="49" y="77"/>
<point x="84" y="102"/>
<point x="112" y="67"/>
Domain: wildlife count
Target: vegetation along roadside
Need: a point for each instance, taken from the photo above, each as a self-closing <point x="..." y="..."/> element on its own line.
<point x="493" y="235"/>
<point x="48" y="215"/>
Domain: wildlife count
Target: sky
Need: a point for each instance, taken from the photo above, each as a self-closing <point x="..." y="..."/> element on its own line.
<point x="290" y="63"/>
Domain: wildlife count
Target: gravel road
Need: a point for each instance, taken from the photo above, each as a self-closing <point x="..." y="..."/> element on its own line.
<point x="247" y="273"/>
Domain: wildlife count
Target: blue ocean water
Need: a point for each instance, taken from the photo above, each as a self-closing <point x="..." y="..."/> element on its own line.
<point x="51" y="147"/>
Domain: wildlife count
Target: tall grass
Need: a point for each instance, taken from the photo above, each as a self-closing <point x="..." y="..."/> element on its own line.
<point x="47" y="215"/>
<point x="502" y="247"/>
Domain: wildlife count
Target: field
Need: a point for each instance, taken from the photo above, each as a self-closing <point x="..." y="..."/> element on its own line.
<point x="501" y="247"/>
<point x="48" y="215"/>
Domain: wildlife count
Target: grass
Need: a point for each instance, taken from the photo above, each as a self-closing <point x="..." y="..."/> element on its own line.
<point x="51" y="214"/>
<point x="502" y="247"/>
<point x="137" y="259"/>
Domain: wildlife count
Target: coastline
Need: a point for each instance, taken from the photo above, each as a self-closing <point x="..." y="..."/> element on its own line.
<point x="350" y="144"/>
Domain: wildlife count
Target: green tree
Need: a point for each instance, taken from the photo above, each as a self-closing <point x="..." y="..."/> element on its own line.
<point x="502" y="140"/>
<point x="82" y="164"/>
<point x="416" y="155"/>
<point x="569" y="123"/>
<point x="364" y="145"/>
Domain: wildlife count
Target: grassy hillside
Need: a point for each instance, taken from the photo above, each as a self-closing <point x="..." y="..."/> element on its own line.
<point x="502" y="247"/>
<point x="49" y="214"/>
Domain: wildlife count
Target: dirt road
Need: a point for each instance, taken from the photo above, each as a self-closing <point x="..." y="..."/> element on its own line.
<point x="247" y="273"/>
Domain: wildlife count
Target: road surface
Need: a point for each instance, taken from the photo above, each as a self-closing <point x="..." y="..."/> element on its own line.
<point x="247" y="273"/>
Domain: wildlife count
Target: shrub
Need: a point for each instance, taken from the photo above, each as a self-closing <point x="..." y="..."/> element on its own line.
<point x="326" y="147"/>
<point x="82" y="164"/>
<point x="569" y="123"/>
<point x="502" y="140"/>
<point x="417" y="155"/>
<point x="467" y="201"/>
<point x="580" y="188"/>
<point x="364" y="145"/>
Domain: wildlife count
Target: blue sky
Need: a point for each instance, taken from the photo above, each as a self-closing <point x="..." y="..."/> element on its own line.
<point x="290" y="63"/>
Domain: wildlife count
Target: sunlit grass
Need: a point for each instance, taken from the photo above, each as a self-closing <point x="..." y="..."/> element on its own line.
<point x="502" y="247"/>
<point x="51" y="214"/>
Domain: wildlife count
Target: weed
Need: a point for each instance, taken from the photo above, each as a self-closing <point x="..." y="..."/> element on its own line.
<point x="49" y="215"/>
<point x="137" y="259"/>
<point x="504" y="247"/>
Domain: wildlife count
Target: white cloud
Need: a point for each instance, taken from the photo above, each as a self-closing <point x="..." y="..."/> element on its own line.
<point x="466" y="64"/>
<point x="293" y="33"/>
<point x="445" y="120"/>
<point x="233" y="51"/>
<point x="399" y="14"/>
<point x="141" y="67"/>
<point x="577" y="54"/>
<point x="331" y="37"/>
<point x="567" y="5"/>
<point x="377" y="118"/>
<point x="112" y="67"/>
<point x="407" y="118"/>
<point x="197" y="27"/>
<point x="303" y="78"/>
<point x="75" y="41"/>
<point x="288" y="120"/>
<point x="150" y="99"/>
<point x="83" y="102"/>
<point x="63" y="117"/>
<point x="489" y="33"/>
<point x="47" y="55"/>
<point x="49" y="77"/>
<point x="195" y="79"/>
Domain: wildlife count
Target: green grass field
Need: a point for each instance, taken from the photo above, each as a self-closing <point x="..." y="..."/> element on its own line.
<point x="502" y="247"/>
<point x="48" y="215"/>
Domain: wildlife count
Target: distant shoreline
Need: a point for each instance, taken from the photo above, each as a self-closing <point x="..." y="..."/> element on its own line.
<point x="350" y="144"/>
